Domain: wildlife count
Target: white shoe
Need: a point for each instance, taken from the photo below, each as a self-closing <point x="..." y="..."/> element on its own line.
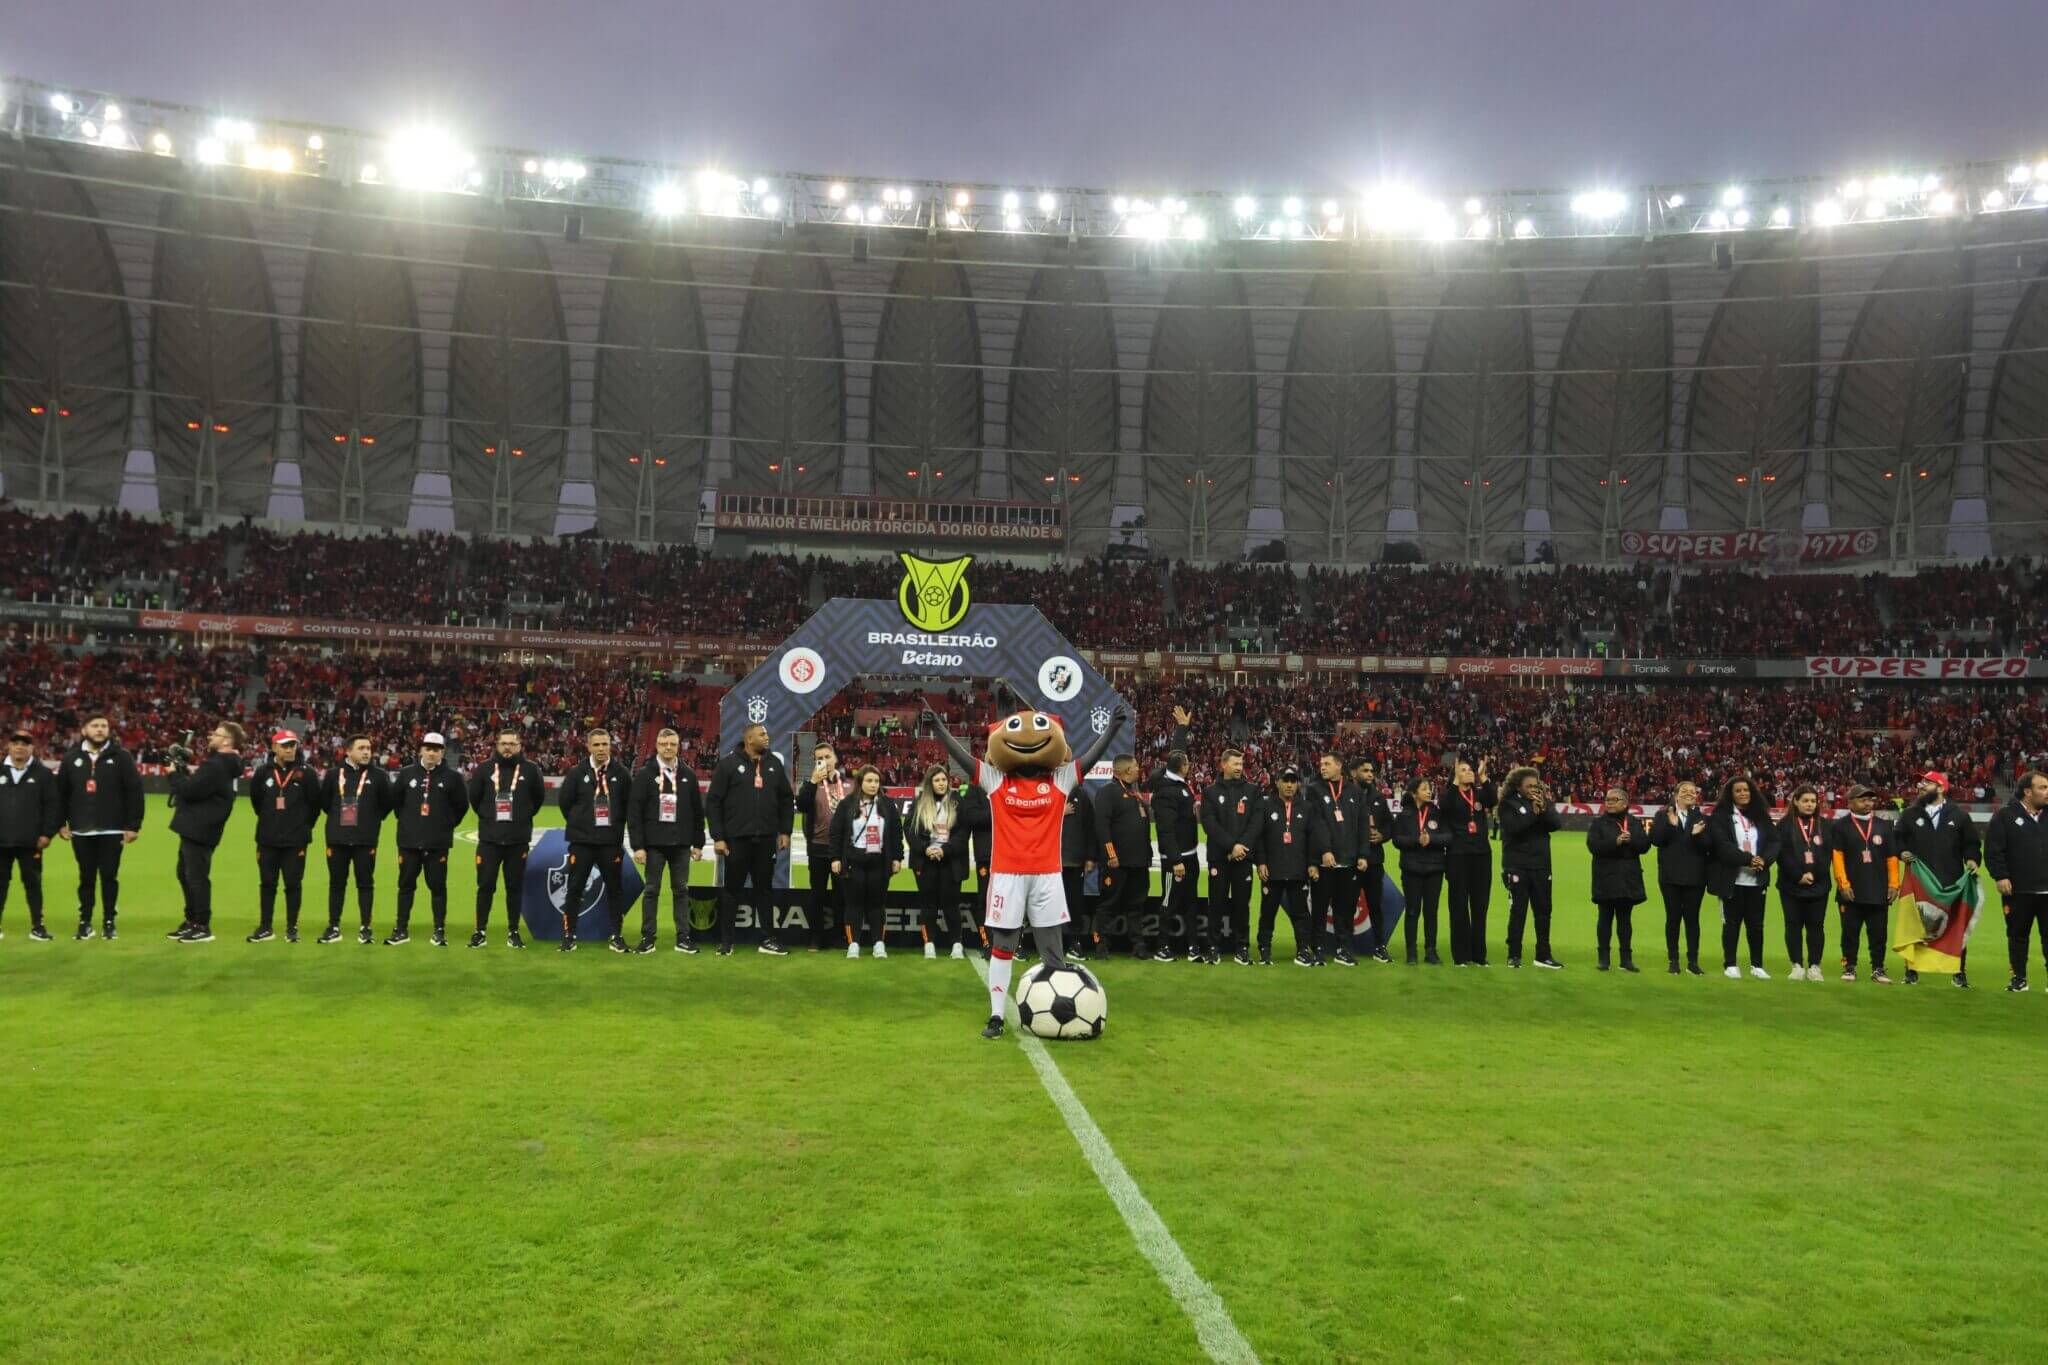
<point x="1759" y="973"/>
<point x="931" y="950"/>
<point x="959" y="953"/>
<point x="853" y="950"/>
<point x="1813" y="973"/>
<point x="1798" y="973"/>
<point x="1733" y="973"/>
<point x="881" y="948"/>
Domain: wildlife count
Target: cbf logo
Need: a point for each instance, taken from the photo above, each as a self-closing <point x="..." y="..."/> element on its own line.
<point x="757" y="710"/>
<point x="933" y="595"/>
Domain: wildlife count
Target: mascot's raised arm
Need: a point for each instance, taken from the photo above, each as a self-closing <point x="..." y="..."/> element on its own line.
<point x="1027" y="772"/>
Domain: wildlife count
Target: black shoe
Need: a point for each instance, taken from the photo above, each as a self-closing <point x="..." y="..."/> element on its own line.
<point x="262" y="935"/>
<point x="1430" y="959"/>
<point x="440" y="939"/>
<point x="1164" y="954"/>
<point x="568" y="943"/>
<point x="1628" y="964"/>
<point x="1265" y="956"/>
<point x="1693" y="968"/>
<point x="1304" y="958"/>
<point x="201" y="933"/>
<point x="84" y="934"/>
<point x="365" y="937"/>
<point x="1380" y="955"/>
<point x="618" y="944"/>
<point x="1073" y="955"/>
<point x="1343" y="958"/>
<point x="39" y="934"/>
<point x="1242" y="957"/>
<point x="773" y="949"/>
<point x="107" y="931"/>
<point x="1962" y="980"/>
<point x="397" y="937"/>
<point x="993" y="1029"/>
<point x="1550" y="964"/>
<point x="1674" y="969"/>
<point x="333" y="935"/>
<point x="479" y="939"/>
<point x="725" y="950"/>
<point x="291" y="935"/>
<point x="685" y="945"/>
<point x="181" y="930"/>
<point x="513" y="940"/>
<point x="1912" y="977"/>
<point x="1514" y="962"/>
<point x="2016" y="986"/>
<point x="646" y="946"/>
<point x="1603" y="965"/>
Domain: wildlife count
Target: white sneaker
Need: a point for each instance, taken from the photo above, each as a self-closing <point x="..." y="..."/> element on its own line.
<point x="1798" y="973"/>
<point x="931" y="950"/>
<point x="881" y="948"/>
<point x="1759" y="973"/>
<point x="959" y="953"/>
<point x="853" y="950"/>
<point x="1733" y="973"/>
<point x="1813" y="973"/>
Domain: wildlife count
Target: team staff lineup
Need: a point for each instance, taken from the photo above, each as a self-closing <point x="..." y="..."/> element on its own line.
<point x="1316" y="850"/>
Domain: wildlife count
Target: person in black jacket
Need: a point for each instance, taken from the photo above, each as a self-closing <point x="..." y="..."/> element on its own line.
<point x="1680" y="837"/>
<point x="28" y="821"/>
<point x="1943" y="838"/>
<point x="749" y="808"/>
<point x="285" y="794"/>
<point x="355" y="797"/>
<point x="1125" y="837"/>
<point x="867" y="850"/>
<point x="99" y="809"/>
<point x="1743" y="844"/>
<point x="1527" y="820"/>
<point x="1370" y="871"/>
<point x="666" y="820"/>
<point x="1804" y="875"/>
<point x="506" y="791"/>
<point x="1866" y="864"/>
<point x="1618" y="840"/>
<point x="593" y="798"/>
<point x="1421" y="835"/>
<point x="936" y="847"/>
<point x="204" y="797"/>
<point x="2016" y="852"/>
<point x="1280" y="851"/>
<point x="1180" y="841"/>
<point x="1078" y="856"/>
<point x="1231" y="821"/>
<point x="431" y="802"/>
<point x="1336" y="844"/>
<point x="817" y="800"/>
<point x="1468" y="864"/>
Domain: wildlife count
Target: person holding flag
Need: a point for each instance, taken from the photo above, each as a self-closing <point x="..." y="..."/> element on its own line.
<point x="1866" y="864"/>
<point x="2016" y="852"/>
<point x="1938" y="893"/>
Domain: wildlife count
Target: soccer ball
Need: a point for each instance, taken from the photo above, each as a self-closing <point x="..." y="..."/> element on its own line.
<point x="1062" y="1002"/>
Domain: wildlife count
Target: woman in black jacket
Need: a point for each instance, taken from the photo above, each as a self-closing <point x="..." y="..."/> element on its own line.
<point x="867" y="850"/>
<point x="1527" y="820"/>
<point x="1804" y="862"/>
<point x="937" y="843"/>
<point x="1424" y="844"/>
<point x="1680" y="835"/>
<point x="1618" y="841"/>
<point x="1743" y="843"/>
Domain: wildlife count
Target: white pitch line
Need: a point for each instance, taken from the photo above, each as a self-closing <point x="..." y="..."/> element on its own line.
<point x="1204" y="1307"/>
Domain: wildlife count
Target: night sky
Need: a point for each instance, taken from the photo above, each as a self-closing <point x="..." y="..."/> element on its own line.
<point x="1117" y="94"/>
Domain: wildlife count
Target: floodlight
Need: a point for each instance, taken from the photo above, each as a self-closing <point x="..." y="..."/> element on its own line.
<point x="1012" y="201"/>
<point x="1474" y="207"/>
<point x="1329" y="208"/>
<point x="1742" y="218"/>
<point x="1718" y="218"/>
<point x="1929" y="183"/>
<point x="1291" y="206"/>
<point x="1194" y="228"/>
<point x="280" y="161"/>
<point x="1525" y="227"/>
<point x="531" y="167"/>
<point x="1013" y="221"/>
<point x="2041" y="170"/>
<point x="315" y="143"/>
<point x="771" y="204"/>
<point x="952" y="218"/>
<point x="1874" y="207"/>
<point x="2019" y="175"/>
<point x="369" y="172"/>
<point x="111" y="113"/>
<point x="62" y="103"/>
<point x="210" y="150"/>
<point x="1047" y="203"/>
<point x="961" y="199"/>
<point x="760" y="187"/>
<point x="2041" y="194"/>
<point x="1781" y="216"/>
<point x="667" y="200"/>
<point x="1942" y="202"/>
<point x="1120" y="206"/>
<point x="835" y="192"/>
<point x="1599" y="204"/>
<point x="1245" y="206"/>
<point x="1676" y="201"/>
<point x="89" y="129"/>
<point x="874" y="213"/>
<point x="160" y="142"/>
<point x="1995" y="199"/>
<point x="1731" y="196"/>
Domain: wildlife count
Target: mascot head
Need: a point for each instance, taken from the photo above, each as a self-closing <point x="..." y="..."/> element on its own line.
<point x="1029" y="741"/>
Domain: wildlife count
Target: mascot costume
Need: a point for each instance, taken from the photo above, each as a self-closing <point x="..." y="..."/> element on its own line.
<point x="1027" y="774"/>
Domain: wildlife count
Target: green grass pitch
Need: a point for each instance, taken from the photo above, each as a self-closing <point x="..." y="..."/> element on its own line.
<point x="349" y="1153"/>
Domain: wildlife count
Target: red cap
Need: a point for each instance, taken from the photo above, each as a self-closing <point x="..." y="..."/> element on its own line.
<point x="1938" y="779"/>
<point x="283" y="737"/>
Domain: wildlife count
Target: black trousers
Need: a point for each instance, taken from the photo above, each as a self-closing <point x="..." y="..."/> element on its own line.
<point x="751" y="864"/>
<point x="1420" y="890"/>
<point x="344" y="861"/>
<point x="1861" y="923"/>
<point x="1080" y="909"/>
<point x="863" y="894"/>
<point x="940" y="912"/>
<point x="496" y="862"/>
<point x="672" y="862"/>
<point x="30" y="861"/>
<point x="1617" y="920"/>
<point x="608" y="861"/>
<point x="826" y="902"/>
<point x="195" y="879"/>
<point x="1742" y="913"/>
<point x="2023" y="911"/>
<point x="412" y="862"/>
<point x="1119" y="910"/>
<point x="1230" y="902"/>
<point x="274" y="865"/>
<point x="1682" y="910"/>
<point x="1182" y="900"/>
<point x="1293" y="898"/>
<point x="99" y="871"/>
<point x="1806" y="923"/>
<point x="1468" y="883"/>
<point x="1334" y="893"/>
<point x="1374" y="883"/>
<point x="1527" y="892"/>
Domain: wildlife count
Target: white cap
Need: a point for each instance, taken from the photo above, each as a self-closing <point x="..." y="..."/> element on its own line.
<point x="434" y="738"/>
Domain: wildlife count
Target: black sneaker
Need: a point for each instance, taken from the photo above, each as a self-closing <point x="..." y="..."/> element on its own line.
<point x="1076" y="955"/>
<point x="201" y="933"/>
<point x="291" y="935"/>
<point x="1343" y="958"/>
<point x="1694" y="969"/>
<point x="181" y="930"/>
<point x="479" y="939"/>
<point x="618" y="944"/>
<point x="365" y="937"/>
<point x="568" y="943"/>
<point x="514" y="940"/>
<point x="1303" y="958"/>
<point x="1912" y="977"/>
<point x="1628" y="964"/>
<point x="107" y="931"/>
<point x="1410" y="960"/>
<point x="2016" y="986"/>
<point x="1242" y="957"/>
<point x="1430" y="959"/>
<point x="1515" y="962"/>
<point x="1601" y="966"/>
<point x="396" y="937"/>
<point x="686" y="945"/>
<point x="1962" y="980"/>
<point x="1164" y="954"/>
<point x="1550" y="964"/>
<point x="1674" y="969"/>
<point x="40" y="934"/>
<point x="992" y="1029"/>
<point x="333" y="935"/>
<point x="725" y="950"/>
<point x="440" y="939"/>
<point x="262" y="935"/>
<point x="773" y="949"/>
<point x="1380" y="955"/>
<point x="646" y="946"/>
<point x="84" y="934"/>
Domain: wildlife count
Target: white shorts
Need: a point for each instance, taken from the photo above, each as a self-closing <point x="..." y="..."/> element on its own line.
<point x="1017" y="897"/>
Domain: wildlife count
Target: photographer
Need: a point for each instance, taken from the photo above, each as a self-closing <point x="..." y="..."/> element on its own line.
<point x="204" y="797"/>
<point x="1527" y="820"/>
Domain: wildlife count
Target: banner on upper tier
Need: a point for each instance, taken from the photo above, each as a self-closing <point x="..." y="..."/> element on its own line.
<point x="1734" y="547"/>
<point x="1916" y="668"/>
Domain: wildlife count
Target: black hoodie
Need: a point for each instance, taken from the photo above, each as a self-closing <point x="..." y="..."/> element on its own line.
<point x="286" y="798"/>
<point x="518" y="783"/>
<point x="115" y="801"/>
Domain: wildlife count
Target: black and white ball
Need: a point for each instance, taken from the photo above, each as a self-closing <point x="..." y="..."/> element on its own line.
<point x="1062" y="1002"/>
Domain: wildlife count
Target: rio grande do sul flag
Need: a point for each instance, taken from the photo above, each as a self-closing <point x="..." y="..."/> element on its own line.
<point x="1931" y="922"/>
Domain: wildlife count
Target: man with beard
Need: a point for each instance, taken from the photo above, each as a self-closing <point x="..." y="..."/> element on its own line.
<point x="817" y="801"/>
<point x="1232" y="817"/>
<point x="505" y="792"/>
<point x="99" y="810"/>
<point x="1285" y="869"/>
<point x="1371" y="868"/>
<point x="749" y="808"/>
<point x="28" y="821"/>
<point x="1943" y="838"/>
<point x="1180" y="838"/>
<point x="2016" y="852"/>
<point x="285" y="793"/>
<point x="431" y="803"/>
<point x="1125" y="837"/>
<point x="667" y="824"/>
<point x="355" y="798"/>
<point x="205" y="798"/>
<point x="1337" y="835"/>
<point x="1866" y="866"/>
<point x="593" y="798"/>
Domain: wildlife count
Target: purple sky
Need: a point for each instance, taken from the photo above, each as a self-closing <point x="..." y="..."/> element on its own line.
<point x="1449" y="94"/>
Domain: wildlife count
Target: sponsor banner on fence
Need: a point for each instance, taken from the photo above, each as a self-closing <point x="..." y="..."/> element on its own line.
<point x="1527" y="668"/>
<point x="1732" y="547"/>
<point x="1681" y="668"/>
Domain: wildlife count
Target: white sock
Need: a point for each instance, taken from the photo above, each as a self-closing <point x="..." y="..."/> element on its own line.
<point x="998" y="981"/>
